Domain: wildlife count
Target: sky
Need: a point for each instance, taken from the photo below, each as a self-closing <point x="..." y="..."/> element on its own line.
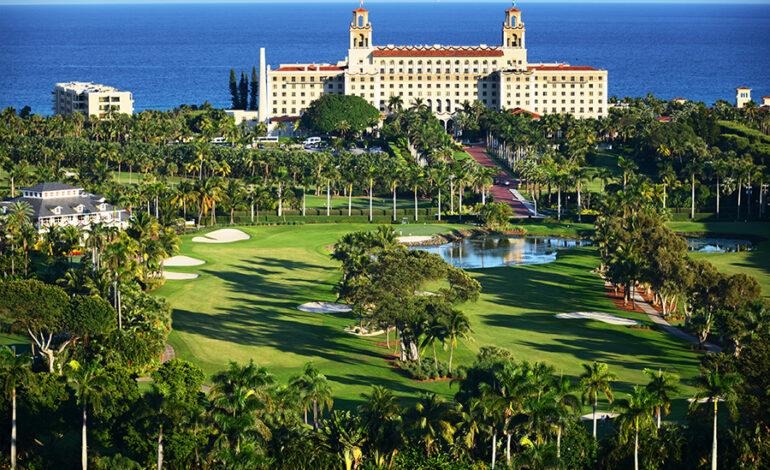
<point x="521" y="3"/>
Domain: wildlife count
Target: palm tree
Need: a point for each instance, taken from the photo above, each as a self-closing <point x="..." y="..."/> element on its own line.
<point x="415" y="180"/>
<point x="14" y="372"/>
<point x="636" y="415"/>
<point x="578" y="176"/>
<point x="91" y="385"/>
<point x="596" y="379"/>
<point x="431" y="419"/>
<point x="714" y="387"/>
<point x="457" y="326"/>
<point x="313" y="385"/>
<point x="394" y="179"/>
<point x="238" y="404"/>
<point x="395" y="103"/>
<point x="661" y="386"/>
<point x="380" y="414"/>
<point x="567" y="404"/>
<point x="627" y="166"/>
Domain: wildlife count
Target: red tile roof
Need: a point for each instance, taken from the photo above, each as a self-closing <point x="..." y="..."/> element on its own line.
<point x="560" y="67"/>
<point x="743" y="88"/>
<point x="285" y="119"/>
<point x="522" y="110"/>
<point x="663" y="119"/>
<point x="765" y="98"/>
<point x="310" y="68"/>
<point x="515" y="10"/>
<point x="360" y="10"/>
<point x="441" y="51"/>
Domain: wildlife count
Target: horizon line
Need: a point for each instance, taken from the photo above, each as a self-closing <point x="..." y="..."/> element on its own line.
<point x="183" y="2"/>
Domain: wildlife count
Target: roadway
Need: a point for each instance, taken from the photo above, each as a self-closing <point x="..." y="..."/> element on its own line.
<point x="501" y="192"/>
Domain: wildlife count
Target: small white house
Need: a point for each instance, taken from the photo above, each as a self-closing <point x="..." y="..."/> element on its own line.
<point x="63" y="204"/>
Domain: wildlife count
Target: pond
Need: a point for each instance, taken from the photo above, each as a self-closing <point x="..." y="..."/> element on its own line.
<point x="717" y="245"/>
<point x="490" y="252"/>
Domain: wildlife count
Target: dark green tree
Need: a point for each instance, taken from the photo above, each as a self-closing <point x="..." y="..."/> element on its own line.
<point x="243" y="91"/>
<point x="254" y="90"/>
<point x="325" y="114"/>
<point x="234" y="90"/>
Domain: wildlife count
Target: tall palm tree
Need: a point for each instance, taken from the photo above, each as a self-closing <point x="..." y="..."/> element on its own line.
<point x="661" y="387"/>
<point x="395" y="177"/>
<point x="596" y="379"/>
<point x="14" y="373"/>
<point x="715" y="387"/>
<point x="91" y="386"/>
<point x="458" y="326"/>
<point x="567" y="406"/>
<point x="636" y="415"/>
<point x="432" y="418"/>
<point x="415" y="180"/>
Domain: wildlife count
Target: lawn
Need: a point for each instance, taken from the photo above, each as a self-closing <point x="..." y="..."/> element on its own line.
<point x="244" y="307"/>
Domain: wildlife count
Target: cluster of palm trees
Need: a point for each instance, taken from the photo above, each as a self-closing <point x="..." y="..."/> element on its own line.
<point x="247" y="420"/>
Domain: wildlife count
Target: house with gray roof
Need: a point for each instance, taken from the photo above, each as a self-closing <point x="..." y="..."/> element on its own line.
<point x="63" y="204"/>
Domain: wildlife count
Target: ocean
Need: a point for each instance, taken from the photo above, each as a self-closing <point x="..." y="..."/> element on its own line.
<point x="169" y="54"/>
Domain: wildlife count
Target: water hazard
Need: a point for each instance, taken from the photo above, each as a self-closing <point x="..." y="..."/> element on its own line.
<point x="490" y="252"/>
<point x="717" y="245"/>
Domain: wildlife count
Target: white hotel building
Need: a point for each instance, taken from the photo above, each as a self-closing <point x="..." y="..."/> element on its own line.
<point x="91" y="99"/>
<point x="444" y="77"/>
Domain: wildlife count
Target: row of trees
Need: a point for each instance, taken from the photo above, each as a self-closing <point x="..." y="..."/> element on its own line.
<point x="639" y="252"/>
<point x="243" y="95"/>
<point x="248" y="420"/>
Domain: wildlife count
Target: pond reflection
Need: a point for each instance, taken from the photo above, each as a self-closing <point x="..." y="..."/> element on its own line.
<point x="490" y="252"/>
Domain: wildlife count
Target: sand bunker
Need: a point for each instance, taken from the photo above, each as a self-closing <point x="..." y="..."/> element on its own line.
<point x="183" y="261"/>
<point x="324" y="307"/>
<point x="600" y="415"/>
<point x="179" y="276"/>
<point x="605" y="317"/>
<point x="414" y="239"/>
<point x="225" y="235"/>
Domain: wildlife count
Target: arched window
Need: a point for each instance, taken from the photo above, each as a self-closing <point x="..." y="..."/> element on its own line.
<point x="360" y="21"/>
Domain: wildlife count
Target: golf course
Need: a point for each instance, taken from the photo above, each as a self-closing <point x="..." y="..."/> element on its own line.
<point x="243" y="307"/>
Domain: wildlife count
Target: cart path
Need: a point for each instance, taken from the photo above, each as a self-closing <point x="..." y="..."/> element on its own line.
<point x="501" y="192"/>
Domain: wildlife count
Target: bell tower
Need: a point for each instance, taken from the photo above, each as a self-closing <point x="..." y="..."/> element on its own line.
<point x="360" y="30"/>
<point x="513" y="29"/>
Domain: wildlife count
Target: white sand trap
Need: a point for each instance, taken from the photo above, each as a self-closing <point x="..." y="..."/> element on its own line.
<point x="324" y="307"/>
<point x="605" y="317"/>
<point x="179" y="276"/>
<point x="225" y="235"/>
<point x="599" y="416"/>
<point x="414" y="239"/>
<point x="183" y="261"/>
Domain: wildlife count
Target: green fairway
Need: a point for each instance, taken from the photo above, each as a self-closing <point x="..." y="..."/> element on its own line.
<point x="244" y="307"/>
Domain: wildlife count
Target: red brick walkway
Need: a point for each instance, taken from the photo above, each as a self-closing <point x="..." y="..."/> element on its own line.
<point x="500" y="191"/>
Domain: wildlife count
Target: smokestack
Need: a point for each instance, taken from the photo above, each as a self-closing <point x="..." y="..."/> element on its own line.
<point x="264" y="113"/>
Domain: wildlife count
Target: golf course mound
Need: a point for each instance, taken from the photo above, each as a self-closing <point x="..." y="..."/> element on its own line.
<point x="325" y="307"/>
<point x="603" y="317"/>
<point x="179" y="276"/>
<point x="225" y="235"/>
<point x="183" y="261"/>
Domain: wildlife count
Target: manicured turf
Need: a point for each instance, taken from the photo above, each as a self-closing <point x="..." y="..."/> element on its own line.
<point x="243" y="307"/>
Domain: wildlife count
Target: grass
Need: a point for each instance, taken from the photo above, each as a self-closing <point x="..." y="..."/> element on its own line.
<point x="244" y="307"/>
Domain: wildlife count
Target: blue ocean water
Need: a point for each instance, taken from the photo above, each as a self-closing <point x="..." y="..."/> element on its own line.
<point x="169" y="54"/>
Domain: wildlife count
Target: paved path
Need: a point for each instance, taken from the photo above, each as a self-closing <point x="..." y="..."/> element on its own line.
<point x="659" y="320"/>
<point x="500" y="191"/>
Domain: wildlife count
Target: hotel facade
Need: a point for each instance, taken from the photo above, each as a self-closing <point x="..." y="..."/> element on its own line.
<point x="443" y="77"/>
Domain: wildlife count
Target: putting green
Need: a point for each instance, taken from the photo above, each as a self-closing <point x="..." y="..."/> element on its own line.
<point x="244" y="307"/>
